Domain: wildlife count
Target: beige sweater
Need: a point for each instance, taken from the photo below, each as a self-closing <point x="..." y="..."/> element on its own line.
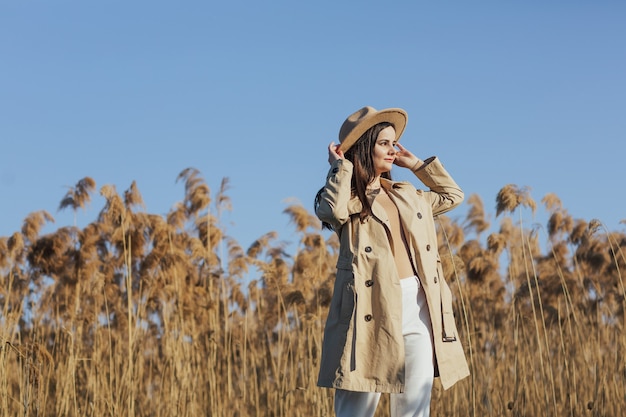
<point x="397" y="239"/>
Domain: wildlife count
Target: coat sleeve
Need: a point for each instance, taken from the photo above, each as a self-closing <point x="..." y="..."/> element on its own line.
<point x="334" y="198"/>
<point x="444" y="194"/>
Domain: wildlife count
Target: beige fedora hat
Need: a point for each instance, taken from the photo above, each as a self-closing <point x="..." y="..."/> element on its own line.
<point x="358" y="122"/>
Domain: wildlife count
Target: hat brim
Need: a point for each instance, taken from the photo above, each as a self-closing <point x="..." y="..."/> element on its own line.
<point x="397" y="117"/>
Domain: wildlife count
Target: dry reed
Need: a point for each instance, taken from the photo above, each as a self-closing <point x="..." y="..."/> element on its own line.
<point x="138" y="314"/>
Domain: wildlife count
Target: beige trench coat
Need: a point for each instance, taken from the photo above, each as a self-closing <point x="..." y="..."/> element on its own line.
<point x="363" y="347"/>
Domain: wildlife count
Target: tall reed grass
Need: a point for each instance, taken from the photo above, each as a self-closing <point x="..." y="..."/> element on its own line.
<point x="137" y="314"/>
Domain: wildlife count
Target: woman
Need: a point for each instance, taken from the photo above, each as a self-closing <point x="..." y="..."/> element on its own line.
<point x="390" y="326"/>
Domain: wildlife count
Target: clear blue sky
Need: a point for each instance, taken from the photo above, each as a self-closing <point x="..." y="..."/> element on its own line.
<point x="525" y="92"/>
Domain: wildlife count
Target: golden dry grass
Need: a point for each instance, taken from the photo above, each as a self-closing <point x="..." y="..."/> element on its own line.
<point x="144" y="315"/>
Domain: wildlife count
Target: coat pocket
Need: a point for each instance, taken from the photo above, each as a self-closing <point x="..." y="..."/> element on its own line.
<point x="346" y="308"/>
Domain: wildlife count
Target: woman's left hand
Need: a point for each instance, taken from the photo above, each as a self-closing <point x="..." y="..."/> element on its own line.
<point x="404" y="157"/>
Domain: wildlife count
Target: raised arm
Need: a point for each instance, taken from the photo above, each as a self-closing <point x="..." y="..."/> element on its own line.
<point x="444" y="194"/>
<point x="333" y="200"/>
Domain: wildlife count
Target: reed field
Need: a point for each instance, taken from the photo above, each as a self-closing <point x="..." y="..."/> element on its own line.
<point x="138" y="314"/>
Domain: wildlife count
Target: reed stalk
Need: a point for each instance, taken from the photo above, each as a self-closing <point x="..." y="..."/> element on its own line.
<point x="145" y="315"/>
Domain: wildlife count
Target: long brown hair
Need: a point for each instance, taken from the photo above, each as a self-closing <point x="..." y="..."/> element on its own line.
<point x="360" y="154"/>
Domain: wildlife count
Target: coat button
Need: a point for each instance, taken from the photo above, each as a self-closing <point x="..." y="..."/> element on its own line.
<point x="419" y="215"/>
<point x="368" y="317"/>
<point x="427" y="247"/>
<point x="435" y="280"/>
<point x="368" y="249"/>
<point x="369" y="283"/>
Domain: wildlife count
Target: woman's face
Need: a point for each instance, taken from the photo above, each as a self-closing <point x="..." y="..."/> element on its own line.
<point x="384" y="152"/>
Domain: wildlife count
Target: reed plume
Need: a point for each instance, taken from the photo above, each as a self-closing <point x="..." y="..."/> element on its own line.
<point x="79" y="195"/>
<point x="142" y="314"/>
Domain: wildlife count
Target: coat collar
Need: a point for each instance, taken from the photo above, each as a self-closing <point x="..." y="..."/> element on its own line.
<point x="392" y="185"/>
<point x="355" y="206"/>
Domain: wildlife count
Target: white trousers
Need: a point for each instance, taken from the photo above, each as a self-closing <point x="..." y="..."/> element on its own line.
<point x="419" y="364"/>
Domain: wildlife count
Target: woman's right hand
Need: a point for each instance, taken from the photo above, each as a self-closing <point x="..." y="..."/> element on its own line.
<point x="334" y="153"/>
